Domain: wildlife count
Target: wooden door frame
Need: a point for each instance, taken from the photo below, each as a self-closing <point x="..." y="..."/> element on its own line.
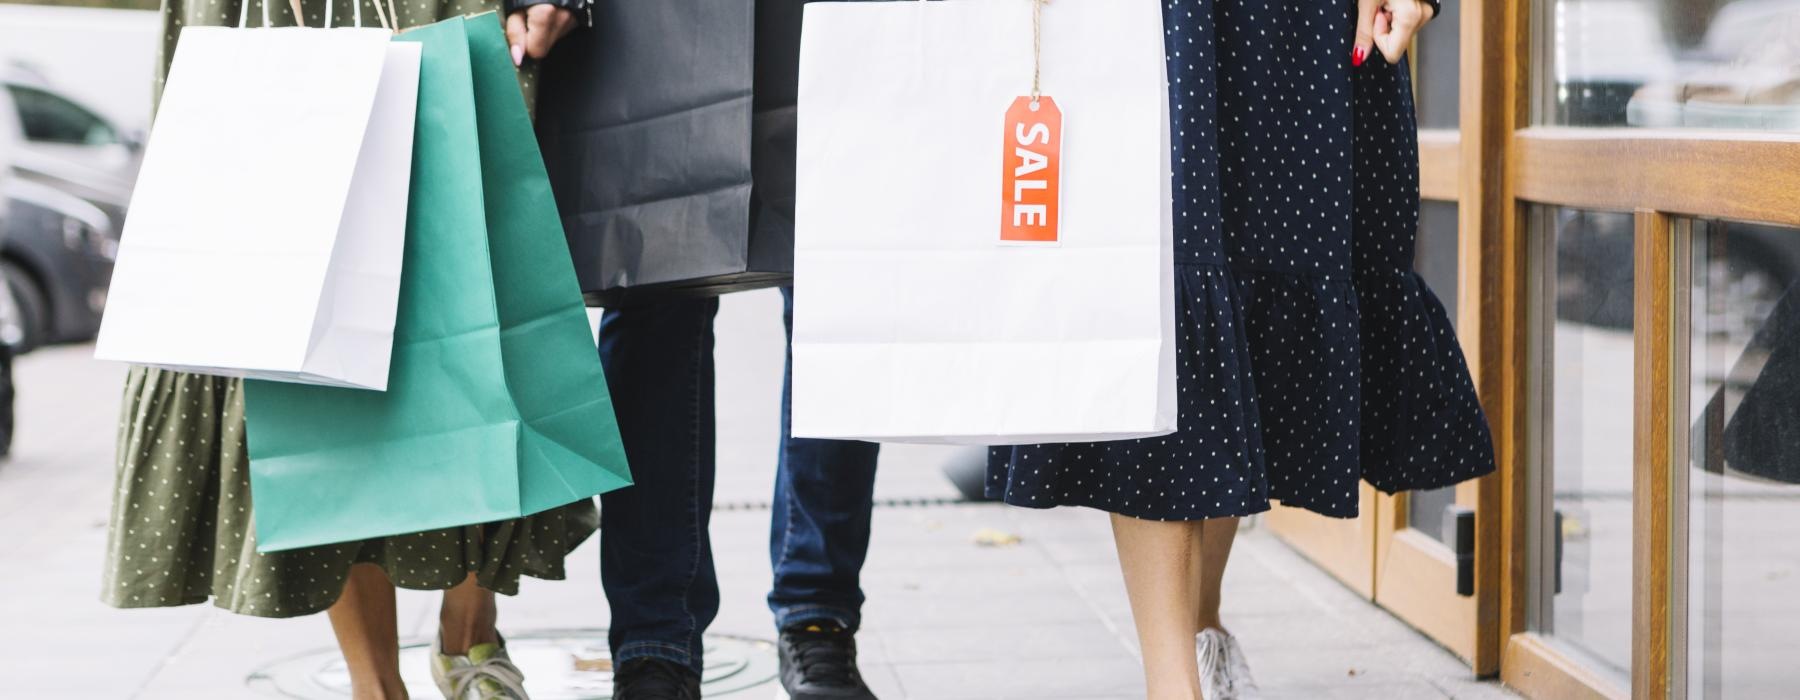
<point x="1663" y="176"/>
<point x="1415" y="577"/>
<point x="1415" y="573"/>
<point x="1496" y="167"/>
<point x="1408" y="572"/>
<point x="1659" y="175"/>
<point x="1344" y="548"/>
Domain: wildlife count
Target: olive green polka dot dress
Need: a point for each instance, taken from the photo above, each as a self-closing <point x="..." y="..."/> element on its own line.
<point x="181" y="530"/>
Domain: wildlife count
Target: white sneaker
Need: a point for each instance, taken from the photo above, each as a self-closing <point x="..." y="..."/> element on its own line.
<point x="486" y="673"/>
<point x="1224" y="674"/>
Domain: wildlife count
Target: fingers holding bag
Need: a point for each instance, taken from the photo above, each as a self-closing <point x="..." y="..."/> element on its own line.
<point x="1388" y="25"/>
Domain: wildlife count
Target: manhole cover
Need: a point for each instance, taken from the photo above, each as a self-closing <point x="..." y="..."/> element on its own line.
<point x="558" y="665"/>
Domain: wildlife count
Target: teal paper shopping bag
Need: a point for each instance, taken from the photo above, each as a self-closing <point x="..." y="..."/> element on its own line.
<point x="496" y="406"/>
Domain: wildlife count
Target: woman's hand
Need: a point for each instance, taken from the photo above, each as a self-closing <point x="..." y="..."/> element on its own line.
<point x="531" y="31"/>
<point x="1388" y="25"/>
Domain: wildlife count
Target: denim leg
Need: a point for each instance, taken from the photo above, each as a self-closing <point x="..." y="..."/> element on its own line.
<point x="656" y="561"/>
<point x="819" y="527"/>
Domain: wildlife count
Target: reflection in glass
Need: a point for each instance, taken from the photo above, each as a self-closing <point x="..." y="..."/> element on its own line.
<point x="1437" y="59"/>
<point x="1728" y="64"/>
<point x="1744" y="483"/>
<point x="1585" y="595"/>
<point x="1435" y="253"/>
<point x="1434" y="258"/>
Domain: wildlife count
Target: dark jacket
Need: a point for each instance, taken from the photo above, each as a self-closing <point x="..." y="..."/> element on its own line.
<point x="668" y="130"/>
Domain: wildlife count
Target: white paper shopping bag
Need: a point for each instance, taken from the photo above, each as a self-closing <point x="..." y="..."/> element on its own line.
<point x="265" y="235"/>
<point x="977" y="262"/>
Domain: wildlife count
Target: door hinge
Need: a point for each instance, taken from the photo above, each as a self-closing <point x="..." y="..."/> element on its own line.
<point x="1557" y="522"/>
<point x="1459" y="532"/>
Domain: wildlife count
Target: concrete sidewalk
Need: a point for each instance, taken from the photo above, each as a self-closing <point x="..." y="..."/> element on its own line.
<point x="946" y="618"/>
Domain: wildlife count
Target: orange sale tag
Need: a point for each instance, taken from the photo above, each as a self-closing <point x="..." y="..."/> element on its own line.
<point x="1031" y="178"/>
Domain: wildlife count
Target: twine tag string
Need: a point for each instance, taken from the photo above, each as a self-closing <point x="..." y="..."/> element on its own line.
<point x="1037" y="49"/>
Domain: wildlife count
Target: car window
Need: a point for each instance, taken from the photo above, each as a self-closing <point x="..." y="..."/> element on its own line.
<point x="52" y="119"/>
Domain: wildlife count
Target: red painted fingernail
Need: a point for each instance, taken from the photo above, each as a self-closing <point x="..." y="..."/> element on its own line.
<point x="1357" y="55"/>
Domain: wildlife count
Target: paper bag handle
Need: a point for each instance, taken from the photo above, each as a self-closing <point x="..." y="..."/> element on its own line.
<point x="1037" y="47"/>
<point x="300" y="17"/>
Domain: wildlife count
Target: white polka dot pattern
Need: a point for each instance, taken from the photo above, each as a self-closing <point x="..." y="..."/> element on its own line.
<point x="182" y="522"/>
<point x="181" y="529"/>
<point x="1311" y="357"/>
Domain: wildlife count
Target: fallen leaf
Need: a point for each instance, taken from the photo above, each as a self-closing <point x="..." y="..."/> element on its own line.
<point x="989" y="537"/>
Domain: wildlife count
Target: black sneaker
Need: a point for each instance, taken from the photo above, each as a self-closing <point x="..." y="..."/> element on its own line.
<point x="818" y="662"/>
<point x="655" y="679"/>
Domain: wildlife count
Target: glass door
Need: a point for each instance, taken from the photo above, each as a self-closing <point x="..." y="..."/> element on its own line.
<point x="1416" y="554"/>
<point x="1742" y="475"/>
<point x="1651" y="190"/>
<point x="1429" y="569"/>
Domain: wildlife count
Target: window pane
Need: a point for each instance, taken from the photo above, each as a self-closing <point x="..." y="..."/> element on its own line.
<point x="1584" y="602"/>
<point x="52" y="119"/>
<point x="1435" y="260"/>
<point x="1434" y="257"/>
<point x="1728" y="64"/>
<point x="1437" y="58"/>
<point x="1744" y="482"/>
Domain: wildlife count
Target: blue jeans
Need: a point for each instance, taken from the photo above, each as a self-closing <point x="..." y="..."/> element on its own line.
<point x="655" y="553"/>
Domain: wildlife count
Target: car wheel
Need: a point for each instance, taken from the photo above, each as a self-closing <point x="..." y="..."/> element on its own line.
<point x="33" y="306"/>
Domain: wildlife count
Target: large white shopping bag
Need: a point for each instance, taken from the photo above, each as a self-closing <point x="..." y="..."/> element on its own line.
<point x="265" y="235"/>
<point x="922" y="314"/>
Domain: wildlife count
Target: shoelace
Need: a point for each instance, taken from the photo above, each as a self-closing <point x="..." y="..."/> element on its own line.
<point x="503" y="673"/>
<point x="1240" y="667"/>
<point x="653" y="678"/>
<point x="1212" y="656"/>
<point x="824" y="658"/>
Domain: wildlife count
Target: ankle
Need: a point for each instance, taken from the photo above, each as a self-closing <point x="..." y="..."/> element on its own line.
<point x="466" y="617"/>
<point x="456" y="639"/>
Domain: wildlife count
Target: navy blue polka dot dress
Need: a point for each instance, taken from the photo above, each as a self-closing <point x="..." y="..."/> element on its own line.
<point x="1310" y="355"/>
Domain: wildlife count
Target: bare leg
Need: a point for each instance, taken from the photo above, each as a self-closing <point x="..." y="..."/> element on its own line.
<point x="467" y="617"/>
<point x="1213" y="548"/>
<point x="368" y="634"/>
<point x="1157" y="560"/>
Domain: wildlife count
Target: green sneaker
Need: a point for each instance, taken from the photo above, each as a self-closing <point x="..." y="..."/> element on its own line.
<point x="487" y="673"/>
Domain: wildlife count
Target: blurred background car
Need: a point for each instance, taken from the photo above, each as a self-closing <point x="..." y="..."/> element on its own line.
<point x="56" y="254"/>
<point x="11" y="330"/>
<point x="64" y="144"/>
<point x="72" y="176"/>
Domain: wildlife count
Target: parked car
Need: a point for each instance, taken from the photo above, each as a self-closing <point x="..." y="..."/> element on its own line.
<point x="10" y="330"/>
<point x="56" y="254"/>
<point x="65" y="145"/>
<point x="72" y="177"/>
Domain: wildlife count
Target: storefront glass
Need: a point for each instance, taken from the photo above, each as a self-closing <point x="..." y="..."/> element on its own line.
<point x="1437" y="58"/>
<point x="1435" y="260"/>
<point x="1724" y="64"/>
<point x="1584" y="466"/>
<point x="1743" y="481"/>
